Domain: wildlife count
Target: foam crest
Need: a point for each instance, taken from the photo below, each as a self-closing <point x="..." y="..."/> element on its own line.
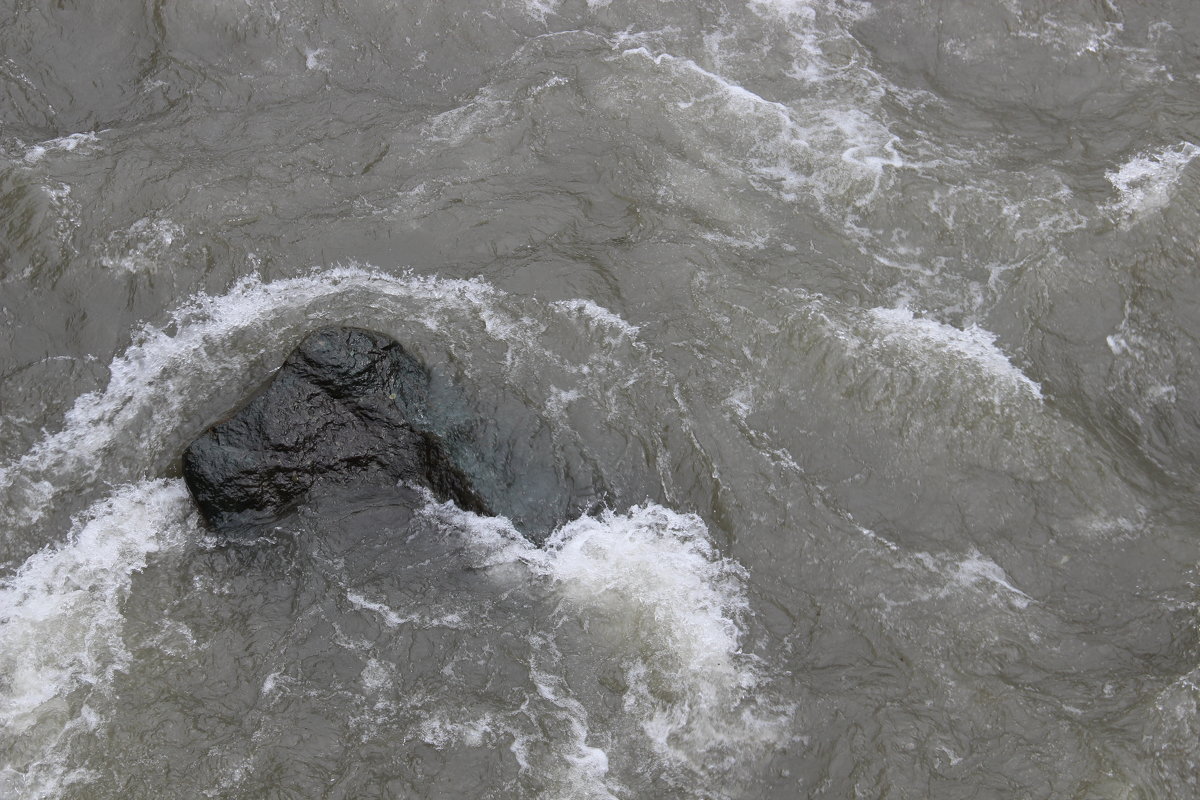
<point x="660" y="566"/>
<point x="66" y="144"/>
<point x="650" y="584"/>
<point x="656" y="577"/>
<point x="494" y="541"/>
<point x="973" y="345"/>
<point x="598" y="315"/>
<point x="1147" y="181"/>
<point x="654" y="567"/>
<point x="61" y="624"/>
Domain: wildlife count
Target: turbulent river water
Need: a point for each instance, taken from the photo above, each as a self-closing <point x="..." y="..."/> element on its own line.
<point x="843" y="355"/>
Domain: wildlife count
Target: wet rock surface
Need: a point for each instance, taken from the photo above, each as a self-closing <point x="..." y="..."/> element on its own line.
<point x="340" y="416"/>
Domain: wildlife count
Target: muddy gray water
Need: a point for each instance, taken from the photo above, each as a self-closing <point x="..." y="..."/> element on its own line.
<point x="846" y="353"/>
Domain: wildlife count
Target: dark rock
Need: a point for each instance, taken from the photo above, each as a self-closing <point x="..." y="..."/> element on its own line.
<point x="337" y="416"/>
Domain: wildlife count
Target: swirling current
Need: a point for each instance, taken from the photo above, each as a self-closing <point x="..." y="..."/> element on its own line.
<point x="843" y="355"/>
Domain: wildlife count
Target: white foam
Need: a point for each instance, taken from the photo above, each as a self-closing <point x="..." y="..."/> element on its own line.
<point x="663" y="565"/>
<point x="156" y="380"/>
<point x="826" y="150"/>
<point x="377" y="675"/>
<point x="1176" y="719"/>
<point x="439" y="731"/>
<point x="315" y="59"/>
<point x="393" y="619"/>
<point x="542" y="8"/>
<point x="390" y="617"/>
<point x="270" y="684"/>
<point x="801" y="10"/>
<point x="741" y="401"/>
<point x="558" y="401"/>
<point x="1072" y="33"/>
<point x="62" y="144"/>
<point x="578" y="769"/>
<point x="495" y="541"/>
<point x="973" y="345"/>
<point x="1146" y="182"/>
<point x="976" y="568"/>
<point x="483" y="113"/>
<point x="654" y="576"/>
<point x="143" y="246"/>
<point x="947" y="574"/>
<point x="214" y="344"/>
<point x="661" y="562"/>
<point x="61" y="623"/>
<point x="657" y="572"/>
<point x="756" y="241"/>
<point x="598" y="315"/>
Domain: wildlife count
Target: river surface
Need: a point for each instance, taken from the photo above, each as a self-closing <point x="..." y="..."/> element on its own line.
<point x="842" y="355"/>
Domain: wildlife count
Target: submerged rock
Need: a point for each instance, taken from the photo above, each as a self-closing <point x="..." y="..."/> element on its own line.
<point x="337" y="416"/>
